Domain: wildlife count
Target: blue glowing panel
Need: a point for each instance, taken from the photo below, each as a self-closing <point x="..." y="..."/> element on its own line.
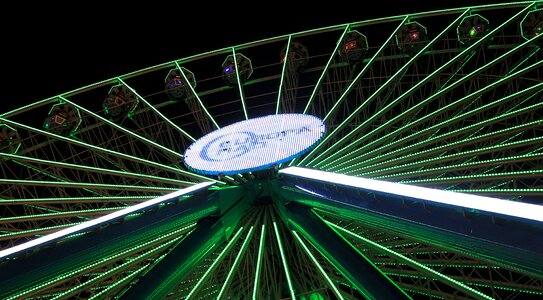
<point x="254" y="144"/>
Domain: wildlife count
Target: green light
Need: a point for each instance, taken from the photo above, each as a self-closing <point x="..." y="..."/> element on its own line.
<point x="449" y="281"/>
<point x="156" y="111"/>
<point x="283" y="72"/>
<point x="103" y="220"/>
<point x="323" y="73"/>
<point x="417" y="106"/>
<point x="29" y="106"/>
<point x="374" y="95"/>
<point x="107" y="151"/>
<point x="284" y="260"/>
<point x="475" y="164"/>
<point x="432" y="296"/>
<point x="534" y="173"/>
<point x="472" y="32"/>
<point x="73" y="200"/>
<point x="346" y="92"/>
<point x="116" y="126"/>
<point x="241" y="95"/>
<point x="104" y="293"/>
<point x="103" y="275"/>
<point x="100" y="186"/>
<point x="314" y="296"/>
<point x="445" y="123"/>
<point x="259" y="261"/>
<point x="197" y="99"/>
<point x="95" y="169"/>
<point x="36" y="231"/>
<point x="236" y="262"/>
<point x="57" y="215"/>
<point x="215" y="263"/>
<point x="318" y="84"/>
<point x="319" y="267"/>
<point x="455" y="155"/>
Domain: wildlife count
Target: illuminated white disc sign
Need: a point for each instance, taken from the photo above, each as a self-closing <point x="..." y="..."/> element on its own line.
<point x="254" y="144"/>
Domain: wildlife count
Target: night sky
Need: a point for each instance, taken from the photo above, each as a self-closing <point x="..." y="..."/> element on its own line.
<point x="48" y="54"/>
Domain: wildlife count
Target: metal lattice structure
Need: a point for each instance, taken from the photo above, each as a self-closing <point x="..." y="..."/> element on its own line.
<point x="448" y="114"/>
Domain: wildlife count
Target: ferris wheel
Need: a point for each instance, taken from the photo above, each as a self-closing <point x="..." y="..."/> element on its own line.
<point x="391" y="158"/>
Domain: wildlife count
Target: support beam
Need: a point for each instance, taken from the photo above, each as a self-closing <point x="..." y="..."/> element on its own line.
<point x="69" y="252"/>
<point x="418" y="266"/>
<point x="165" y="275"/>
<point x="354" y="265"/>
<point x="210" y="232"/>
<point x="509" y="232"/>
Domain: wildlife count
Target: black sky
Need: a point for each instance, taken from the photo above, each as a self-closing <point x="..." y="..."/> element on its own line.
<point x="46" y="54"/>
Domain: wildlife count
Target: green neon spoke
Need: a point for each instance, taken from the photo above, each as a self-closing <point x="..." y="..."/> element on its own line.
<point x="50" y="175"/>
<point x="129" y="277"/>
<point x="535" y="291"/>
<point x="325" y="70"/>
<point x="358" y="287"/>
<point x="445" y="279"/>
<point x="107" y="151"/>
<point x="236" y="262"/>
<point x="468" y="165"/>
<point x="458" y="69"/>
<point x="525" y="191"/>
<point x="259" y="261"/>
<point x="428" y="116"/>
<point x="471" y="284"/>
<point x="124" y="130"/>
<point x="28" y="107"/>
<point x="241" y="94"/>
<point x="41" y="230"/>
<point x="94" y="169"/>
<point x="318" y="84"/>
<point x="76" y="213"/>
<point x="360" y="141"/>
<point x="215" y="263"/>
<point x="362" y="72"/>
<point x="341" y="152"/>
<point x="44" y="209"/>
<point x="398" y="73"/>
<point x="280" y="90"/>
<point x="74" y="200"/>
<point x="427" y="152"/>
<point x="284" y="260"/>
<point x="111" y="272"/>
<point x="422" y="292"/>
<point x="319" y="267"/>
<point x="196" y="96"/>
<point x="377" y="222"/>
<point x="156" y="111"/>
<point x="440" y="125"/>
<point x="453" y="133"/>
<point x="357" y="167"/>
<point x="450" y="156"/>
<point x="486" y="176"/>
<point x="534" y="52"/>
<point x="348" y="90"/>
<point x="98" y="186"/>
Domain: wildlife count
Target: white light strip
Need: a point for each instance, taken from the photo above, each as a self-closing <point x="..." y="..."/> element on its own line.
<point x="102" y="219"/>
<point x="494" y="205"/>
